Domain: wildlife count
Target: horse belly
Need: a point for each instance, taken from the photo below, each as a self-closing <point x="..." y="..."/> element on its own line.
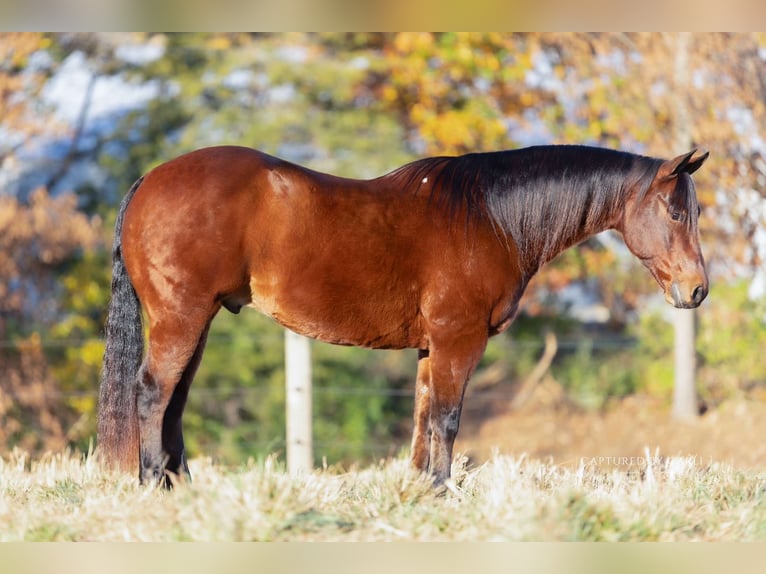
<point x="343" y="316"/>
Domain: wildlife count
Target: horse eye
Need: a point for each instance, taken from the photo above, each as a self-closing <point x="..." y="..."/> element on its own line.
<point x="676" y="216"/>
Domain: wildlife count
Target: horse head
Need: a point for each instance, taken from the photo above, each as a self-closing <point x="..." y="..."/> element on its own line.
<point x="660" y="228"/>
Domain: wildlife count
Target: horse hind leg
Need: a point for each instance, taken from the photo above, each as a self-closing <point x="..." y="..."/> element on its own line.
<point x="172" y="356"/>
<point x="172" y="430"/>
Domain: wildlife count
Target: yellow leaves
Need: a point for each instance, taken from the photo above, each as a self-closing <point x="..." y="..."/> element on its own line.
<point x="512" y="73"/>
<point x="597" y="97"/>
<point x="219" y="42"/>
<point x="389" y="93"/>
<point x="92" y="352"/>
<point x="88" y="292"/>
<point x="18" y="84"/>
<point x="15" y="47"/>
<point x="489" y="62"/>
<point x="447" y="87"/>
<point x="452" y="131"/>
<point x="458" y="131"/>
<point x="528" y="99"/>
<point x="594" y="131"/>
<point x="420" y="114"/>
<point x="408" y="42"/>
<point x="464" y="54"/>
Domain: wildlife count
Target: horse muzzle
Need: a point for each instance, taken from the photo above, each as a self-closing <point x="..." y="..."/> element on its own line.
<point x="685" y="297"/>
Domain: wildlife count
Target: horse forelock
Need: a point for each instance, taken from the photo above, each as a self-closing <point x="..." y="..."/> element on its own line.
<point x="684" y="198"/>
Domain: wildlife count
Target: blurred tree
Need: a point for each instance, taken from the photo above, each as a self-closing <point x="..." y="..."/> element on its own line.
<point x="37" y="241"/>
<point x="691" y="89"/>
<point x="625" y="92"/>
<point x="359" y="105"/>
<point x="19" y="83"/>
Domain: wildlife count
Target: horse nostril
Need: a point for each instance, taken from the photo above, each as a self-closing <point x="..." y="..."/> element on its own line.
<point x="698" y="294"/>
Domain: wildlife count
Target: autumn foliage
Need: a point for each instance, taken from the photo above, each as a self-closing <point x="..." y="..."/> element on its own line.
<point x="36" y="239"/>
<point x="359" y="105"/>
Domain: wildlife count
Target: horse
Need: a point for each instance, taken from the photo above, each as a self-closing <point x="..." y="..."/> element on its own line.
<point x="434" y="256"/>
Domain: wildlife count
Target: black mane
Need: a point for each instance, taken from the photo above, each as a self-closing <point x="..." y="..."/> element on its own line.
<point x="542" y="196"/>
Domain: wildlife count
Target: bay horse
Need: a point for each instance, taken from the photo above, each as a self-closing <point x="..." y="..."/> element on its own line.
<point x="433" y="256"/>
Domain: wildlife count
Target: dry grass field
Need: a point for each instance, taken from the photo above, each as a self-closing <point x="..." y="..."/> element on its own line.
<point x="63" y="497"/>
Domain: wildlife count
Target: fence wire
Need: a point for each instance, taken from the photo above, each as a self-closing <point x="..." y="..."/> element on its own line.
<point x="564" y="345"/>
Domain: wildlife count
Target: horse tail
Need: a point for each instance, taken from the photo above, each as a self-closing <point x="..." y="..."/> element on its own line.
<point x="118" y="440"/>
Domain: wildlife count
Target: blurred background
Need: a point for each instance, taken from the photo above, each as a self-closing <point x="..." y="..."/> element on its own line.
<point x="587" y="369"/>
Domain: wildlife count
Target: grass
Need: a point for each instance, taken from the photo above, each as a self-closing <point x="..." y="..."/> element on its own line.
<point x="63" y="497"/>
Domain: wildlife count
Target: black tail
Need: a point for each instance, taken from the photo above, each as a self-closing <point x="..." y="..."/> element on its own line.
<point x="117" y="419"/>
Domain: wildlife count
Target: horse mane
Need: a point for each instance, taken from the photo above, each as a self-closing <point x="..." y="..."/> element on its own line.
<point x="541" y="197"/>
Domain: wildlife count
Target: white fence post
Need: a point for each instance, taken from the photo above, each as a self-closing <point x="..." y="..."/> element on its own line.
<point x="684" y="391"/>
<point x="300" y="456"/>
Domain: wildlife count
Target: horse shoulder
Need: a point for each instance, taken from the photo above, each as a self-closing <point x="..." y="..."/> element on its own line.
<point x="472" y="283"/>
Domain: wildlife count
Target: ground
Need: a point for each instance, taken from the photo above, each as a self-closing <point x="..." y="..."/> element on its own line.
<point x="548" y="426"/>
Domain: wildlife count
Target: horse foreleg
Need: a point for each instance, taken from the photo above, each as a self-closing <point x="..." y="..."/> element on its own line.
<point x="451" y="365"/>
<point x="421" y="434"/>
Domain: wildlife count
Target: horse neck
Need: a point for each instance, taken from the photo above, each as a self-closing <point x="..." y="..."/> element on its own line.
<point x="555" y="233"/>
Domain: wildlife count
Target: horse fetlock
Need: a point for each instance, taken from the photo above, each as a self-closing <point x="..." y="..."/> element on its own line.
<point x="152" y="472"/>
<point x="151" y="476"/>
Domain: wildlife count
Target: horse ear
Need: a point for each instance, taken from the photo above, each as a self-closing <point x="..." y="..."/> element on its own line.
<point x="694" y="163"/>
<point x="685" y="163"/>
